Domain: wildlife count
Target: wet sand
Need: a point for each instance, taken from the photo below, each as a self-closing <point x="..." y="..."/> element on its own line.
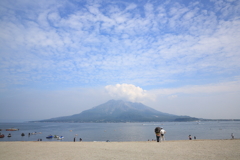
<point x="181" y="150"/>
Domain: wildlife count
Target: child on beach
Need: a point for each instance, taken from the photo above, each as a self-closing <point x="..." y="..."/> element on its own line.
<point x="162" y="134"/>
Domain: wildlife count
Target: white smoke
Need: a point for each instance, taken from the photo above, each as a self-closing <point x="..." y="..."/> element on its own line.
<point x="127" y="92"/>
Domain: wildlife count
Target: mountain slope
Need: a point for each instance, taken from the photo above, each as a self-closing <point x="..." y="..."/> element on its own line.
<point x="120" y="111"/>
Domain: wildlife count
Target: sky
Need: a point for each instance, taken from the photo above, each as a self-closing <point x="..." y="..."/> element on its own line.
<point x="61" y="57"/>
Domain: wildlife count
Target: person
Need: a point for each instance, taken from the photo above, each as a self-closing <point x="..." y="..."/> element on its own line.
<point x="195" y="137"/>
<point x="74" y="139"/>
<point x="162" y="132"/>
<point x="157" y="132"/>
<point x="190" y="137"/>
<point x="232" y="135"/>
<point x="80" y="139"/>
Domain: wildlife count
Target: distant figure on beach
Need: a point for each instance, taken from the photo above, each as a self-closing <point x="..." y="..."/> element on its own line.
<point x="157" y="132"/>
<point x="190" y="137"/>
<point x="195" y="137"/>
<point x="74" y="139"/>
<point x="80" y="139"/>
<point x="162" y="134"/>
<point x="232" y="135"/>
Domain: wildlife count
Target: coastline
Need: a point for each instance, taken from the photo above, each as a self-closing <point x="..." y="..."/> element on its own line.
<point x="177" y="149"/>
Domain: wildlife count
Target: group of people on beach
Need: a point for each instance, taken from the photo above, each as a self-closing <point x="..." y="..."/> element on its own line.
<point x="74" y="139"/>
<point x="190" y="137"/>
<point x="160" y="132"/>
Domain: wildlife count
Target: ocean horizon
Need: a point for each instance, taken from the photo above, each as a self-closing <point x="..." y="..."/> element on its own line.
<point x="120" y="131"/>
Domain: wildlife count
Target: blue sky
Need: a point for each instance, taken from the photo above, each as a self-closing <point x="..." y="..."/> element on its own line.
<point x="60" y="57"/>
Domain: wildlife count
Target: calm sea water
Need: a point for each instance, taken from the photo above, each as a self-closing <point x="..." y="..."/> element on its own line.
<point x="120" y="131"/>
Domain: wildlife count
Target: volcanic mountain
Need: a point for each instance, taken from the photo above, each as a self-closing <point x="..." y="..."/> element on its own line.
<point x="121" y="111"/>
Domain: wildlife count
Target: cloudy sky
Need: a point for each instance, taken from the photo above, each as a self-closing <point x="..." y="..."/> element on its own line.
<point x="60" y="57"/>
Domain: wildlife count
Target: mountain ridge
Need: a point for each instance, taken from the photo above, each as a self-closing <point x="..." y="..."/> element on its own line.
<point x="120" y="111"/>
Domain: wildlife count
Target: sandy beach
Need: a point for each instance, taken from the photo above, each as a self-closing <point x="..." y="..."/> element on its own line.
<point x="195" y="149"/>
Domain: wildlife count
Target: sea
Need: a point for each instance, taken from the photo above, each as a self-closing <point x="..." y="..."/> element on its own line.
<point x="120" y="132"/>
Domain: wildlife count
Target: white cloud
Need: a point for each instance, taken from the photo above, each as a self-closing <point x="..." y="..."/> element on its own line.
<point x="144" y="44"/>
<point x="62" y="44"/>
<point x="127" y="92"/>
<point x="172" y="96"/>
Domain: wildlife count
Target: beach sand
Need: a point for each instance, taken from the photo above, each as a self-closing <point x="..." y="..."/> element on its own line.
<point x="194" y="149"/>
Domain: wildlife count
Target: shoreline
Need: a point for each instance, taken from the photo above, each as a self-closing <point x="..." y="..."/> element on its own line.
<point x="129" y="141"/>
<point x="177" y="149"/>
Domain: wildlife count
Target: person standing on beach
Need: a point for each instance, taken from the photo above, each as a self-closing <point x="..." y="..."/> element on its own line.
<point x="74" y="139"/>
<point x="162" y="132"/>
<point x="157" y="132"/>
<point x="190" y="137"/>
<point x="232" y="135"/>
